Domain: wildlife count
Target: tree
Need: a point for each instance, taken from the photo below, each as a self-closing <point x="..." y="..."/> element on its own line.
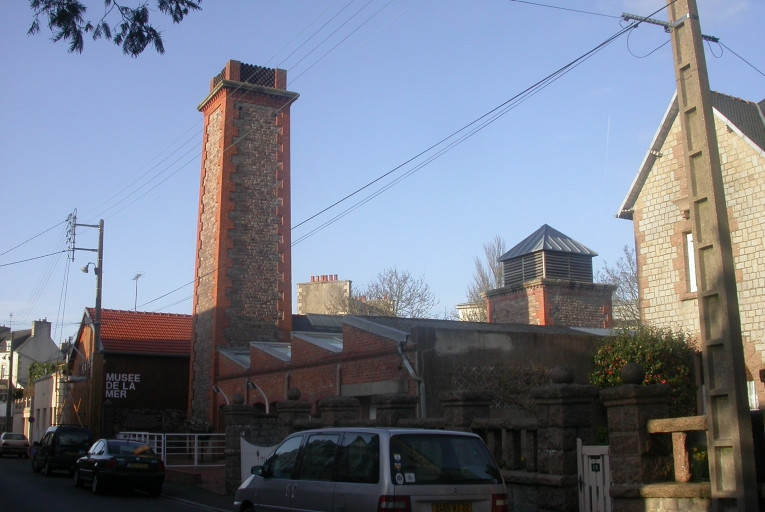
<point x="624" y="276"/>
<point x="133" y="32"/>
<point x="666" y="356"/>
<point x="392" y="293"/>
<point x="487" y="276"/>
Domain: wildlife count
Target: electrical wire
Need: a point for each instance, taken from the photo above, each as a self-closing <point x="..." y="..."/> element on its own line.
<point x="565" y="9"/>
<point x="647" y="54"/>
<point x="342" y="41"/>
<point x="61" y="313"/>
<point x="30" y="239"/>
<point x="32" y="259"/>
<point x="742" y="58"/>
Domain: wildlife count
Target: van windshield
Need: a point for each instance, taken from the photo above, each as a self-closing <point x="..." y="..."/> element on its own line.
<point x="432" y="459"/>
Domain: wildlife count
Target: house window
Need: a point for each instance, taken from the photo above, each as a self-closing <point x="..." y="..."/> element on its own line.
<point x="690" y="263"/>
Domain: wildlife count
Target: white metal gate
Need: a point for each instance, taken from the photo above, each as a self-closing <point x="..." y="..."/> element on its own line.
<point x="252" y="456"/>
<point x="594" y="478"/>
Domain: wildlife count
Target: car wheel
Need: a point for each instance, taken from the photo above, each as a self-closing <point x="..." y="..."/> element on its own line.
<point x="155" y="491"/>
<point x="47" y="470"/>
<point x="97" y="486"/>
<point x="35" y="467"/>
<point x="249" y="509"/>
<point x="77" y="480"/>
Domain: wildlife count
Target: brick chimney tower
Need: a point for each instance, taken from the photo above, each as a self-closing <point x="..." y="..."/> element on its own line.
<point x="243" y="275"/>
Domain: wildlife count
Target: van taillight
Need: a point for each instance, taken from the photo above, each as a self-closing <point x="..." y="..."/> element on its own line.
<point x="397" y="503"/>
<point x="500" y="503"/>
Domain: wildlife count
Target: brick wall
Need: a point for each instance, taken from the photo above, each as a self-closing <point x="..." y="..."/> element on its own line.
<point x="243" y="287"/>
<point x="660" y="225"/>
<point x="552" y="302"/>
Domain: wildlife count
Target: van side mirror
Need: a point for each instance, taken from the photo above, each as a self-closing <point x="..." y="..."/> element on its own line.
<point x="257" y="470"/>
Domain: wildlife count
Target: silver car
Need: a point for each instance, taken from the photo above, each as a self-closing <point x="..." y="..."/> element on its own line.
<point x="376" y="469"/>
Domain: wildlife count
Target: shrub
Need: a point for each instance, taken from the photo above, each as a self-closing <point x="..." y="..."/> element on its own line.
<point x="666" y="355"/>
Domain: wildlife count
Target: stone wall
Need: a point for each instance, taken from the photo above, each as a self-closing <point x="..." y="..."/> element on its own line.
<point x="660" y="226"/>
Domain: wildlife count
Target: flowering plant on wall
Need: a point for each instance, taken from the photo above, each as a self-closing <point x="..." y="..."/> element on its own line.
<point x="666" y="356"/>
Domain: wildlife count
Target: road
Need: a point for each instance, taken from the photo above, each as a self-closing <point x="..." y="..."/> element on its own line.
<point x="24" y="491"/>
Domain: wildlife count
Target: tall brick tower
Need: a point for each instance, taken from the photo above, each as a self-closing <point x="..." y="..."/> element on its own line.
<point x="243" y="286"/>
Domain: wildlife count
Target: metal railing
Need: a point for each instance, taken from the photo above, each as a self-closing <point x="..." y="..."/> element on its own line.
<point x="183" y="450"/>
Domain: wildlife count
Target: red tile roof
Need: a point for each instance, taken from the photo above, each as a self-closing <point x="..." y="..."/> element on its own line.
<point x="139" y="332"/>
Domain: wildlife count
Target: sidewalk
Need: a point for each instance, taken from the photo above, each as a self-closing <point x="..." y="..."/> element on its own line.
<point x="200" y="486"/>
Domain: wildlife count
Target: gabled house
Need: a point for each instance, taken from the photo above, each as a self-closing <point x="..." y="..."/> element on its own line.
<point x="658" y="205"/>
<point x="136" y="378"/>
<point x="19" y="349"/>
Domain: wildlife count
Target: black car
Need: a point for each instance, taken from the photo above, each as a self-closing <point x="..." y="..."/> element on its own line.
<point x="59" y="448"/>
<point x="120" y="464"/>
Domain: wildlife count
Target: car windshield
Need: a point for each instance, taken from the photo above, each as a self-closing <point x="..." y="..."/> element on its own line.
<point x="130" y="449"/>
<point x="427" y="459"/>
<point x="74" y="438"/>
<point x="14" y="437"/>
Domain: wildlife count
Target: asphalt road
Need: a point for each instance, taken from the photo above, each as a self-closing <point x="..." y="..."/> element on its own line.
<point x="24" y="491"/>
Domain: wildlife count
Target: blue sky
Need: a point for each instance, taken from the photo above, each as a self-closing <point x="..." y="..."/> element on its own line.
<point x="77" y="130"/>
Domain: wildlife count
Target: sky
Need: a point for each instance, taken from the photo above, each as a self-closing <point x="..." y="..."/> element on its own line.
<point x="380" y="81"/>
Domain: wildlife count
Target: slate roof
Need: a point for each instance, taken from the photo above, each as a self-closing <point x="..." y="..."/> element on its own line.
<point x="139" y="332"/>
<point x="547" y="239"/>
<point x="19" y="338"/>
<point x="747" y="117"/>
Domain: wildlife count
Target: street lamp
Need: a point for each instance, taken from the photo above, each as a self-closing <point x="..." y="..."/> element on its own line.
<point x="252" y="385"/>
<point x="136" y="278"/>
<point x="216" y="389"/>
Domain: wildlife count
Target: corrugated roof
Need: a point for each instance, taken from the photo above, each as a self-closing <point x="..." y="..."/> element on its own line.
<point x="547" y="238"/>
<point x="140" y="332"/>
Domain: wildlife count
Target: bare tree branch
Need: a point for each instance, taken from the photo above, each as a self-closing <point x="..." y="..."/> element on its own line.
<point x="487" y="276"/>
<point x="623" y="275"/>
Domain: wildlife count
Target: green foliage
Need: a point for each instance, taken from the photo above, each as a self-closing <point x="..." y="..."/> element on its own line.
<point x="666" y="356"/>
<point x="132" y="32"/>
<point x="39" y="370"/>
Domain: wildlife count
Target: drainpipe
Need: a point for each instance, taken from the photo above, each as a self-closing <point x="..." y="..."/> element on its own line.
<point x="420" y="380"/>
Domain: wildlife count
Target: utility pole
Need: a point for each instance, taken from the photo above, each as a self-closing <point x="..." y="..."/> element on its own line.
<point x="97" y="362"/>
<point x="729" y="427"/>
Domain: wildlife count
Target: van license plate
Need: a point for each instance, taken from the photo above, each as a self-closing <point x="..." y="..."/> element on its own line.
<point x="452" y="507"/>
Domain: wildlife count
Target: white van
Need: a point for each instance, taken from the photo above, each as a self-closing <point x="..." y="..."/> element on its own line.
<point x="376" y="469"/>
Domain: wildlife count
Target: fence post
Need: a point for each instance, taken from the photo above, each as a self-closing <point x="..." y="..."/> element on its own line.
<point x="462" y="407"/>
<point x="564" y="414"/>
<point x="391" y="408"/>
<point x="636" y="456"/>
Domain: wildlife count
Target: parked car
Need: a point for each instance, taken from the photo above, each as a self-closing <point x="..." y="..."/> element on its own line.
<point x="368" y="469"/>
<point x="13" y="444"/>
<point x="60" y="447"/>
<point x="120" y="464"/>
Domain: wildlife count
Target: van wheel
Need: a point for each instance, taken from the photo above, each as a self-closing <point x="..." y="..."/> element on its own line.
<point x="47" y="470"/>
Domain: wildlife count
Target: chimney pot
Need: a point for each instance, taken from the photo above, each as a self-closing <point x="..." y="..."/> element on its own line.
<point x="312" y="279"/>
<point x="335" y="277"/>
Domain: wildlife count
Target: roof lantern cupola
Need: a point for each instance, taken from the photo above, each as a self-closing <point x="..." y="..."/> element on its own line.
<point x="547" y="253"/>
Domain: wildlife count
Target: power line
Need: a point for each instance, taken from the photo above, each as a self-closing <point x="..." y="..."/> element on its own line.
<point x="30" y="239"/>
<point x="31" y="259"/>
<point x="742" y="58"/>
<point x="566" y="9"/>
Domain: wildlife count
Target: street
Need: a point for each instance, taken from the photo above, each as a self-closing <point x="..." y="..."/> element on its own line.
<point x="24" y="491"/>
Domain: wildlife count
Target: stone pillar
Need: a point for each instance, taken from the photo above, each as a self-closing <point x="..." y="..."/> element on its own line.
<point x="338" y="408"/>
<point x="462" y="407"/>
<point x="391" y="408"/>
<point x="238" y="418"/>
<point x="637" y="457"/>
<point x="564" y="413"/>
<point x="290" y="410"/>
